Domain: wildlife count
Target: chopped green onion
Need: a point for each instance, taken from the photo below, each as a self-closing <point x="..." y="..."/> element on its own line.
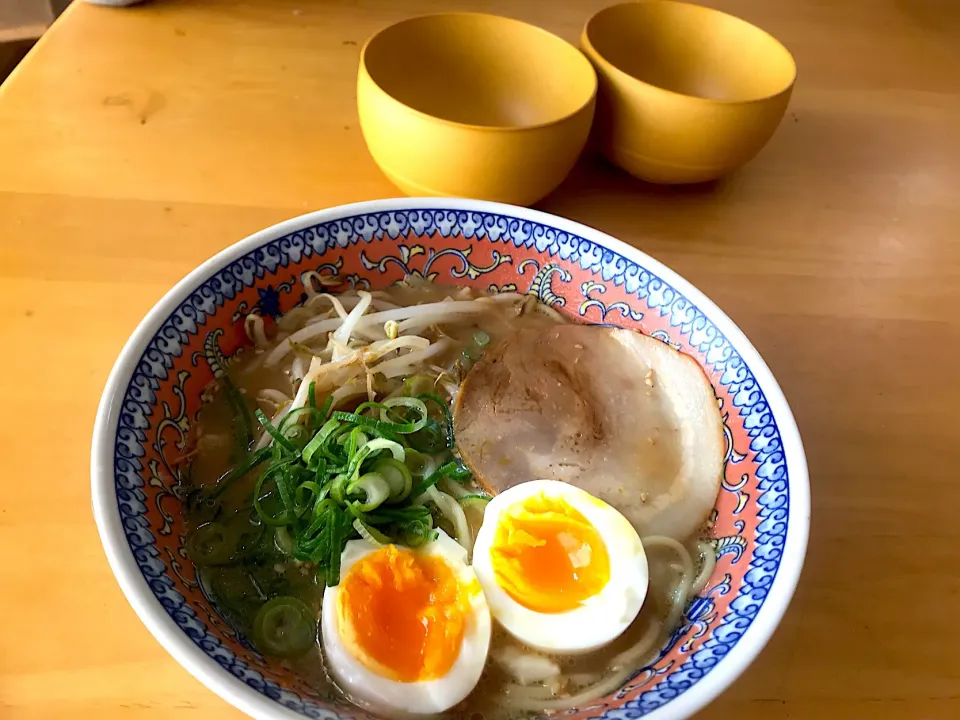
<point x="284" y="484"/>
<point x="284" y="517"/>
<point x="401" y="515"/>
<point x="333" y="476"/>
<point x="431" y="439"/>
<point x="370" y="405"/>
<point x="395" y="448"/>
<point x="274" y="433"/>
<point x="283" y="541"/>
<point x="453" y="470"/>
<point x="338" y="535"/>
<point x="418" y="533"/>
<point x="474" y="501"/>
<point x="476" y="496"/>
<point x="284" y="627"/>
<point x="316" y="492"/>
<point x="312" y="447"/>
<point x="211" y="544"/>
<point x="370" y="534"/>
<point x="338" y="488"/>
<point x="397" y="476"/>
<point x="241" y="412"/>
<point x="409" y="402"/>
<point x="419" y="464"/>
<point x="297" y="414"/>
<point x="447" y="417"/>
<point x="374" y="488"/>
<point x="239" y="471"/>
<point x="382" y="426"/>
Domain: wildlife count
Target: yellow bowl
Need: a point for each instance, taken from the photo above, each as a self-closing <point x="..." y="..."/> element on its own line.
<point x="472" y="105"/>
<point x="687" y="93"/>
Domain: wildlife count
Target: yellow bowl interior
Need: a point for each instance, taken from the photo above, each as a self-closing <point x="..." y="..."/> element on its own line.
<point x="692" y="50"/>
<point x="480" y="70"/>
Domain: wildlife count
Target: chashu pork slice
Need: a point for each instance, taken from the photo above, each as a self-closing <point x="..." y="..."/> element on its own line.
<point x="619" y="414"/>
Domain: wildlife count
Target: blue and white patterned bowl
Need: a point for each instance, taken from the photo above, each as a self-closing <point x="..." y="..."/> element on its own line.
<point x="761" y="518"/>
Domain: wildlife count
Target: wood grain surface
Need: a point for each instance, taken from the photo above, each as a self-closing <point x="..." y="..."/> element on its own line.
<point x="136" y="143"/>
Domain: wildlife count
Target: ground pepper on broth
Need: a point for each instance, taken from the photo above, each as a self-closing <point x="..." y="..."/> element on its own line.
<point x="250" y="554"/>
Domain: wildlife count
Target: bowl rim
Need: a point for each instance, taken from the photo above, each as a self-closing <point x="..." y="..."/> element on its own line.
<point x="235" y="691"/>
<point x="364" y="71"/>
<point x="595" y="55"/>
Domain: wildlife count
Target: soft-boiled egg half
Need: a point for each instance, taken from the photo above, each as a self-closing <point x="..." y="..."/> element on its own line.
<point x="407" y="630"/>
<point x="562" y="571"/>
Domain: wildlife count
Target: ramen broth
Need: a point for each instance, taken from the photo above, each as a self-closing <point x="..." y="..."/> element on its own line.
<point x="243" y="562"/>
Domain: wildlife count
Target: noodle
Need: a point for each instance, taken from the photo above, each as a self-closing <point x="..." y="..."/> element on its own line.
<point x="623" y="666"/>
<point x="648" y="643"/>
<point x="708" y="563"/>
<point x="628" y="662"/>
<point x="686" y="562"/>
<point x="451" y="487"/>
<point x="681" y="592"/>
<point x="454" y="514"/>
<point x="533" y="703"/>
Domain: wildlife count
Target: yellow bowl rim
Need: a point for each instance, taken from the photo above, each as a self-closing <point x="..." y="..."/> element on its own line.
<point x="470" y="126"/>
<point x="609" y="66"/>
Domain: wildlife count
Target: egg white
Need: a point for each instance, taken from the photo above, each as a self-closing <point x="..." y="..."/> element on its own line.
<point x="598" y="619"/>
<point x="390" y="697"/>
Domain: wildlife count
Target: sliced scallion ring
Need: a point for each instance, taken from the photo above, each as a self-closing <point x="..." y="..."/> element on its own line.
<point x="398" y="477"/>
<point x="370" y="534"/>
<point x="409" y="402"/>
<point x="479" y="501"/>
<point x="420" y="464"/>
<point x="211" y="544"/>
<point x="283" y="541"/>
<point x="318" y="441"/>
<point x="395" y="448"/>
<point x="284" y="627"/>
<point x="375" y="490"/>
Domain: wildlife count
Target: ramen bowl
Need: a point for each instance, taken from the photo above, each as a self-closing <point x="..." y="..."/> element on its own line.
<point x="473" y="105"/>
<point x="687" y="93"/>
<point x="759" y="523"/>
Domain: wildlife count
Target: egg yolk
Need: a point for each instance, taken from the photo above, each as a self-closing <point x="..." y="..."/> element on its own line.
<point x="547" y="556"/>
<point x="403" y="614"/>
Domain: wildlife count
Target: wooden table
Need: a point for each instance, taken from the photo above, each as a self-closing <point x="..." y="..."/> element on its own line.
<point x="136" y="143"/>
